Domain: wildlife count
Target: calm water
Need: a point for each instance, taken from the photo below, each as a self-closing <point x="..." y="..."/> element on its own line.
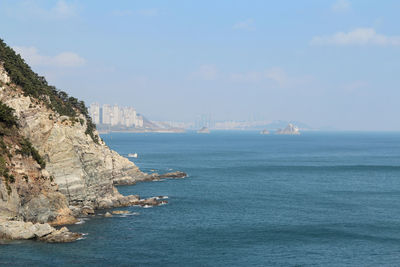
<point x="250" y="200"/>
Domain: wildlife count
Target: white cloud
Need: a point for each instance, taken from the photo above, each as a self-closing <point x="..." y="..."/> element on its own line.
<point x="247" y="25"/>
<point x="359" y="36"/>
<point x="276" y="75"/>
<point x="341" y="6"/>
<point x="31" y="10"/>
<point x="205" y="72"/>
<point x="63" y="10"/>
<point x="64" y="59"/>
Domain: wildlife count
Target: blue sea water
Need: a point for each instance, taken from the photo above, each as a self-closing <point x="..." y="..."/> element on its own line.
<point x="330" y="199"/>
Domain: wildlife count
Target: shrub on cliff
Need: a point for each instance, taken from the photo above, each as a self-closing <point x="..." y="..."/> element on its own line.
<point x="7" y="115"/>
<point x="37" y="87"/>
<point x="3" y="166"/>
<point x="27" y="149"/>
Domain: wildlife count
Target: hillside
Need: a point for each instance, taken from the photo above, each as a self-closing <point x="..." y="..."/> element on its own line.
<point x="54" y="166"/>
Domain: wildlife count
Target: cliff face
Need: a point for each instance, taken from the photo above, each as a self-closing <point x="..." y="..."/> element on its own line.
<point x="28" y="193"/>
<point x="83" y="170"/>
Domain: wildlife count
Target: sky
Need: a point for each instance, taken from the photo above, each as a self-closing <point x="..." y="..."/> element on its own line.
<point x="325" y="63"/>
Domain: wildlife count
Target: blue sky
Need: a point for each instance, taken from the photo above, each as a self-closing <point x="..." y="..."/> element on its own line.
<point x="325" y="63"/>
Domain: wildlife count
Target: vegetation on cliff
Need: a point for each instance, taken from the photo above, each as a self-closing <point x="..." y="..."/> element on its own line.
<point x="7" y="115"/>
<point x="28" y="150"/>
<point x="9" y="130"/>
<point x="37" y="87"/>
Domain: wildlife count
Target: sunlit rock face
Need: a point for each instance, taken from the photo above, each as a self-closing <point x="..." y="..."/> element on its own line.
<point x="83" y="170"/>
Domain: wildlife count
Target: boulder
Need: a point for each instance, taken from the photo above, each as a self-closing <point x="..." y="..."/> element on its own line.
<point x="118" y="212"/>
<point x="171" y="175"/>
<point x="15" y="230"/>
<point x="61" y="236"/>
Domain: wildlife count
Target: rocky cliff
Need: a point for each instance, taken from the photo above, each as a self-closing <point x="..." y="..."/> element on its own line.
<point x="83" y="170"/>
<point x="70" y="171"/>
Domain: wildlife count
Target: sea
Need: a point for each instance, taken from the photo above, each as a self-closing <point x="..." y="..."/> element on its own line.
<point x="316" y="199"/>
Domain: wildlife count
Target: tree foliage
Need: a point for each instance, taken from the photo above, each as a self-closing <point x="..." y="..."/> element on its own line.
<point x="7" y="115"/>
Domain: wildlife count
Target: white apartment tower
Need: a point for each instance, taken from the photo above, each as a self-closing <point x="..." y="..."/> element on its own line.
<point x="115" y="116"/>
<point x="106" y="114"/>
<point x="94" y="112"/>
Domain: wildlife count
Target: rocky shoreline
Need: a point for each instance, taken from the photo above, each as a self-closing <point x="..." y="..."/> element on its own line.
<point x="18" y="230"/>
<point x="46" y="232"/>
<point x="127" y="180"/>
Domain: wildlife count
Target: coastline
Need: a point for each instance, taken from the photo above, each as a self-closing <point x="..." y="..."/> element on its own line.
<point x="143" y="131"/>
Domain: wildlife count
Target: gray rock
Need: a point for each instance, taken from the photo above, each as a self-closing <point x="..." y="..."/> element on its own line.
<point x="289" y="130"/>
<point x="61" y="236"/>
<point x="117" y="212"/>
<point x="177" y="174"/>
<point x="24" y="230"/>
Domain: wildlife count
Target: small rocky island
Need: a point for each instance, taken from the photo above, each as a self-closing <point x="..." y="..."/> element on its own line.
<point x="265" y="131"/>
<point x="289" y="130"/>
<point x="204" y="130"/>
<point x="54" y="167"/>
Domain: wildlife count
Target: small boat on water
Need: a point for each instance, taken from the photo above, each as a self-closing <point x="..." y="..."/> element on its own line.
<point x="132" y="155"/>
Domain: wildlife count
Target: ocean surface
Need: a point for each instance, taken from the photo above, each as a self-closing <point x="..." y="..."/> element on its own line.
<point x="323" y="199"/>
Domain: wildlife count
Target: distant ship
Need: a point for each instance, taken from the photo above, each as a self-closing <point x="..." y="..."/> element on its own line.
<point x="204" y="130"/>
<point x="132" y="155"/>
<point x="265" y="131"/>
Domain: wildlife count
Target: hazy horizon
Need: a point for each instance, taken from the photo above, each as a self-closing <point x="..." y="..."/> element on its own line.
<point x="323" y="63"/>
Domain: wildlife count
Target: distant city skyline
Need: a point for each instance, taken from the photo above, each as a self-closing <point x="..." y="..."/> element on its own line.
<point x="115" y="115"/>
<point x="328" y="63"/>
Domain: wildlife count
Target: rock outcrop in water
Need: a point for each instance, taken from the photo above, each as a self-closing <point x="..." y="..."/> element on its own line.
<point x="77" y="171"/>
<point x="289" y="130"/>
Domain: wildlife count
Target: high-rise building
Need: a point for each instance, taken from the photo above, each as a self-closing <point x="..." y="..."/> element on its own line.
<point x="106" y="114"/>
<point x="94" y="111"/>
<point x="139" y="122"/>
<point x="115" y="115"/>
<point x="204" y="120"/>
<point x="128" y="116"/>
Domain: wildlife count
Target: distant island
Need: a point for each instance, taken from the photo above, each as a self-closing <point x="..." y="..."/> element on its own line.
<point x="265" y="131"/>
<point x="289" y="130"/>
